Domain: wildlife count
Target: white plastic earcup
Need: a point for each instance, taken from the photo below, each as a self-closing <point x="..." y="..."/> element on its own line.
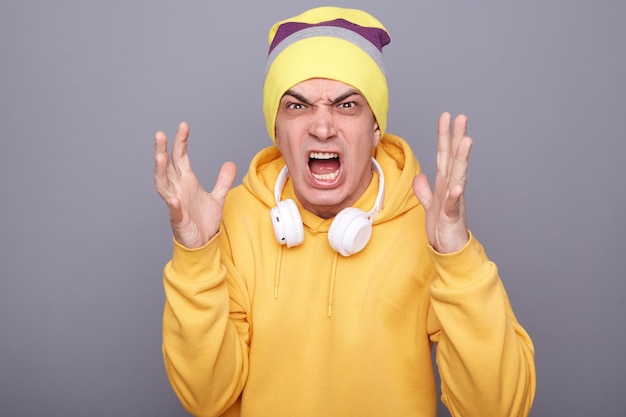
<point x="350" y="231"/>
<point x="287" y="223"/>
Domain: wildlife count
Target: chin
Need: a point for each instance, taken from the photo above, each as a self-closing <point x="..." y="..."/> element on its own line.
<point x="324" y="206"/>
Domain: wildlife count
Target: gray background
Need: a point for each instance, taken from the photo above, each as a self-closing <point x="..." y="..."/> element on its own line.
<point x="84" y="237"/>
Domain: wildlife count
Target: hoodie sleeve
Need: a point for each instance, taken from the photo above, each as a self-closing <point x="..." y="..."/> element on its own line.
<point x="485" y="357"/>
<point x="205" y="331"/>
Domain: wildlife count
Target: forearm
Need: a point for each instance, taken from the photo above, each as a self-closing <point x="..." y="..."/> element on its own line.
<point x="485" y="358"/>
<point x="205" y="355"/>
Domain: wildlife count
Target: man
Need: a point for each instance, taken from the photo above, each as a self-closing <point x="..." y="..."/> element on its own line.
<point x="319" y="285"/>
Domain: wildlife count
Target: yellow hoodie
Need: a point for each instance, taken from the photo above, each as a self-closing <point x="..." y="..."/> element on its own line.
<point x="253" y="328"/>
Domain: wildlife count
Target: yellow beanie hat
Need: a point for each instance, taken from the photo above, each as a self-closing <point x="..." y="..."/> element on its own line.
<point x="327" y="42"/>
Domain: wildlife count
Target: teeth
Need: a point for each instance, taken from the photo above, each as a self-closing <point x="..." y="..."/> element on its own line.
<point x="323" y="155"/>
<point x="330" y="176"/>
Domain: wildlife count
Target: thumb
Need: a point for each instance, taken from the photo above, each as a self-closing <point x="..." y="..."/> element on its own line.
<point x="174" y="210"/>
<point x="225" y="180"/>
<point x="422" y="190"/>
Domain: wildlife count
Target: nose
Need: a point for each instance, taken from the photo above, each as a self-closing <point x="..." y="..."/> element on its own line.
<point x="323" y="123"/>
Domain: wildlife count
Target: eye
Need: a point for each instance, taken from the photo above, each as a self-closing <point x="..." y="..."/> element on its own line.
<point x="349" y="108"/>
<point x="295" y="106"/>
<point x="347" y="105"/>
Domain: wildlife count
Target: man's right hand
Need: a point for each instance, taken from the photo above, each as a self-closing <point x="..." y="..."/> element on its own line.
<point x="195" y="215"/>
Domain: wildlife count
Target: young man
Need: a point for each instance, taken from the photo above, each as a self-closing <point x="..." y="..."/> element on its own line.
<point x="319" y="285"/>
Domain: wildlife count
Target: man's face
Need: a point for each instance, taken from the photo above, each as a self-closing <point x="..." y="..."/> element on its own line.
<point x="326" y="131"/>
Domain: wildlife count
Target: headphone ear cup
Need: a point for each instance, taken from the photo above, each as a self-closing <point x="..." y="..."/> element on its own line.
<point x="350" y="231"/>
<point x="287" y="223"/>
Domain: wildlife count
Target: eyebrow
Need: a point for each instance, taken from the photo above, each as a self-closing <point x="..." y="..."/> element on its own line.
<point x="339" y="99"/>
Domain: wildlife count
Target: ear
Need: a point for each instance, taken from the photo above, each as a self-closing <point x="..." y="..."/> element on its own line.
<point x="376" y="134"/>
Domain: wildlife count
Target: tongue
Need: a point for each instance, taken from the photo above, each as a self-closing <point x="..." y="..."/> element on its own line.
<point x="324" y="166"/>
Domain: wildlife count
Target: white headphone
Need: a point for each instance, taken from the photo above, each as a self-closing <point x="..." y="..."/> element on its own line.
<point x="348" y="233"/>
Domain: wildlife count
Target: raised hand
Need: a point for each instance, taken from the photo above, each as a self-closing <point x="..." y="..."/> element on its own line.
<point x="446" y="222"/>
<point x="195" y="215"/>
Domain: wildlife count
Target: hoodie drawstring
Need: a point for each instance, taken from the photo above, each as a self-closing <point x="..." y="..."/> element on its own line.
<point x="279" y="262"/>
<point x="331" y="289"/>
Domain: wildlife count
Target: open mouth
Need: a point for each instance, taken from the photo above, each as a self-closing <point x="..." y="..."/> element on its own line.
<point x="324" y="165"/>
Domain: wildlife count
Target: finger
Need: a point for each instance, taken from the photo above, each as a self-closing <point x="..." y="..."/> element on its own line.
<point x="458" y="133"/>
<point x="458" y="177"/>
<point x="225" y="180"/>
<point x="180" y="157"/>
<point x="460" y="164"/>
<point x="160" y="149"/>
<point x="443" y="144"/>
<point x="422" y="190"/>
<point x="161" y="163"/>
<point x="175" y="210"/>
<point x="452" y="206"/>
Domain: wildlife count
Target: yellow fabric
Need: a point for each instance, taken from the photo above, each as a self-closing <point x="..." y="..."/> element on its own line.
<point x="327" y="13"/>
<point x="326" y="57"/>
<point x="231" y="348"/>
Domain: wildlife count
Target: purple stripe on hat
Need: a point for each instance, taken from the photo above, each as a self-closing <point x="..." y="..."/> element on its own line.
<point x="328" y="31"/>
<point x="378" y="37"/>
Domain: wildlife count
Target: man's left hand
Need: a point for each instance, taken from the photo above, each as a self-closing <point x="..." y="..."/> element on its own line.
<point x="446" y="222"/>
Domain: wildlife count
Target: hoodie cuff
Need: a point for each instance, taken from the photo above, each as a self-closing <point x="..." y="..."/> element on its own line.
<point x="461" y="269"/>
<point x="194" y="264"/>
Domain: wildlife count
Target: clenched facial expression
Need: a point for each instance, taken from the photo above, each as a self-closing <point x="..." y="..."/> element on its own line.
<point x="326" y="131"/>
